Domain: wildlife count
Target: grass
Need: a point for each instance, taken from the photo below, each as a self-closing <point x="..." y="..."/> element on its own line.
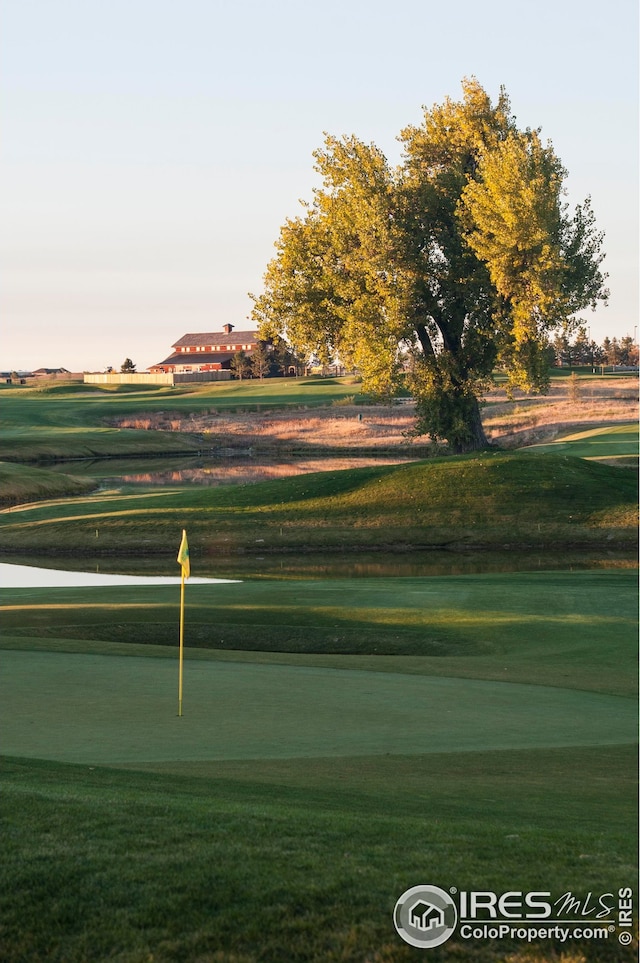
<point x="62" y="421"/>
<point x="612" y="444"/>
<point x="488" y="500"/>
<point x="540" y="419"/>
<point x="490" y="627"/>
<point x="20" y="484"/>
<point x="109" y="710"/>
<point x="302" y="793"/>
<point x="300" y="860"/>
<point x="343" y="739"/>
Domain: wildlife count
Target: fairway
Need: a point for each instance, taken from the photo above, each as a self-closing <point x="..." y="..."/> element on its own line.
<point x="108" y="709"/>
<point x="609" y="441"/>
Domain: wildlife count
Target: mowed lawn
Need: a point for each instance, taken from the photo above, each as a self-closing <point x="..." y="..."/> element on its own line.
<point x="99" y="710"/>
<point x="472" y="731"/>
<point x="615" y="443"/>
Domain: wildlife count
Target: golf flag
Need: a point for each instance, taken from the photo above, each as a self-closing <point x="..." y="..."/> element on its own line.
<point x="183" y="556"/>
<point x="183" y="560"/>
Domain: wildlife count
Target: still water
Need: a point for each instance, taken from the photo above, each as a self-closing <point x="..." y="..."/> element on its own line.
<point x="144" y="473"/>
<point x="240" y="468"/>
<point x="33" y="572"/>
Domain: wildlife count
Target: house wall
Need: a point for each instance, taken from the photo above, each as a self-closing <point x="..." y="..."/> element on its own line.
<point x="128" y="378"/>
<point x="141" y="378"/>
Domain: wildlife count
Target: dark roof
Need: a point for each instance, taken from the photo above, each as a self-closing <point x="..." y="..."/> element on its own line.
<point x="198" y="357"/>
<point x="202" y="338"/>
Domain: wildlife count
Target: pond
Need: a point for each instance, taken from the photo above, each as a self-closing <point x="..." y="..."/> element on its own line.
<point x="39" y="571"/>
<point x="242" y="468"/>
<point x="233" y="469"/>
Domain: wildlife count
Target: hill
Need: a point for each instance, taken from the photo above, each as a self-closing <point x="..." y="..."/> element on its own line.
<point x="491" y="500"/>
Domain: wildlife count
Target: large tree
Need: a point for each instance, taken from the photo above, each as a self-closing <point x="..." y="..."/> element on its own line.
<point x="463" y="258"/>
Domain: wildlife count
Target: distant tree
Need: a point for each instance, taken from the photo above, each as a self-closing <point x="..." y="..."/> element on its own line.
<point x="284" y="358"/>
<point x="240" y="365"/>
<point x="597" y="354"/>
<point x="614" y="353"/>
<point x="562" y="349"/>
<point x="261" y="360"/>
<point x="127" y="366"/>
<point x="628" y="352"/>
<point x="582" y="348"/>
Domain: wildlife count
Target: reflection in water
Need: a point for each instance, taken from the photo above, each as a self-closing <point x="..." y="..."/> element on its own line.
<point x="243" y="472"/>
<point x="242" y="469"/>
<point x="239" y="469"/>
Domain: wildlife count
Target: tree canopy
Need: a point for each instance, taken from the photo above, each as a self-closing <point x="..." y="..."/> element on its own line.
<point x="463" y="258"/>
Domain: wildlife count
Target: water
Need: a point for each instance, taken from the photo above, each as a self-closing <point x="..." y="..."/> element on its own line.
<point x="37" y="572"/>
<point x="238" y="469"/>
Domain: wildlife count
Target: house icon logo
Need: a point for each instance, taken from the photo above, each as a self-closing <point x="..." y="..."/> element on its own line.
<point x="425" y="916"/>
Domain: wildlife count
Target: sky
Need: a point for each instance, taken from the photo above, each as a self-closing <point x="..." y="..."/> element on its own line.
<point x="150" y="150"/>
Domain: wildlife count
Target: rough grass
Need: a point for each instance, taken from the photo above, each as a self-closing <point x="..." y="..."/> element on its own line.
<point x="300" y="861"/>
<point x="529" y="420"/>
<point x="613" y="445"/>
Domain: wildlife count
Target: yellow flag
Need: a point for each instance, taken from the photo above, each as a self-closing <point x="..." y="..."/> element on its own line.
<point x="183" y="556"/>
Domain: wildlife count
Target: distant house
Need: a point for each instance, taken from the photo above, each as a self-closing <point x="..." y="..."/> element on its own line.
<point x="207" y="351"/>
<point x="18" y="376"/>
<point x="49" y="372"/>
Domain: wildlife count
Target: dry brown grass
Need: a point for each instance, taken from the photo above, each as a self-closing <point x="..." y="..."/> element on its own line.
<point x="530" y="420"/>
<point x="347" y="426"/>
<point x="525" y="420"/>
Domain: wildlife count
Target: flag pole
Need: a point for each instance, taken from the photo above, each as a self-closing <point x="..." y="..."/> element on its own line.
<point x="181" y="644"/>
<point x="185" y="569"/>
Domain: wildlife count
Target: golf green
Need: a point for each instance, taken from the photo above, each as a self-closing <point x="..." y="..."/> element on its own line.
<point x="99" y="709"/>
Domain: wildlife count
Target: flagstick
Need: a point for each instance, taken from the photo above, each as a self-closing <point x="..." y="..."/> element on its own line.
<point x="181" y="643"/>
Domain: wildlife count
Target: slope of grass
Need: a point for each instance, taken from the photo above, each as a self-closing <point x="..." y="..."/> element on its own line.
<point x="613" y="443"/>
<point x="558" y="629"/>
<point x="19" y="483"/>
<point x="493" y="499"/>
<point x="68" y="444"/>
<point x="301" y="860"/>
<point x="81" y="421"/>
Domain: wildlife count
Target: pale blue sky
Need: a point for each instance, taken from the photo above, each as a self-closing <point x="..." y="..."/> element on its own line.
<point x="151" y="149"/>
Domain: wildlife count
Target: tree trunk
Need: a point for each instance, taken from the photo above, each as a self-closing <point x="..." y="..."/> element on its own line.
<point x="477" y="439"/>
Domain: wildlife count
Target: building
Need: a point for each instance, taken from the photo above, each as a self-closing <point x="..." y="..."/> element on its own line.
<point x="50" y="372"/>
<point x="207" y="351"/>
